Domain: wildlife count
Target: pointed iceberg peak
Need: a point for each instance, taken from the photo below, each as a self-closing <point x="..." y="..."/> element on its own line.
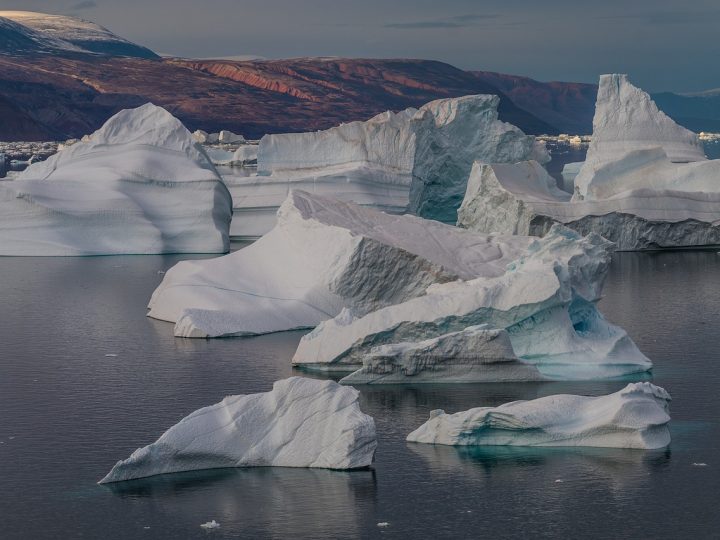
<point x="627" y="119"/>
<point x="627" y="125"/>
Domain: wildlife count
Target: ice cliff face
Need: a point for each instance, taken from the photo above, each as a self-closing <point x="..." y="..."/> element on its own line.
<point x="451" y="135"/>
<point x="545" y="300"/>
<point x="323" y="255"/>
<point x="139" y="185"/>
<point x="635" y="417"/>
<point x="300" y="423"/>
<point x="645" y="183"/>
<point x="475" y="354"/>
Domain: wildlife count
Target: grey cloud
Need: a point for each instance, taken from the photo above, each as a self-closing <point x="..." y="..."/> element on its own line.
<point x="458" y="21"/>
<point x="89" y="4"/>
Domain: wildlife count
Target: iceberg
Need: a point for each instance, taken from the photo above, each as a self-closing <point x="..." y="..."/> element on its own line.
<point x="635" y="417"/>
<point x="323" y="256"/>
<point x="416" y="160"/>
<point x="544" y="299"/>
<point x="475" y="354"/>
<point x="300" y="423"/>
<point x="645" y="184"/>
<point x="454" y="134"/>
<point x="139" y="185"/>
<point x="627" y="120"/>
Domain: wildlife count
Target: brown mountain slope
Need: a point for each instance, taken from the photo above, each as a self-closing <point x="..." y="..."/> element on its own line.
<point x="568" y="106"/>
<point x="71" y="95"/>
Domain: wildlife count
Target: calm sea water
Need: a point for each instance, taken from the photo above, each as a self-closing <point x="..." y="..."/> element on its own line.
<point x="68" y="411"/>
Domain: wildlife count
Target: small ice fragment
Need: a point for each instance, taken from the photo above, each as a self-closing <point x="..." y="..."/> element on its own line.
<point x="161" y="272"/>
<point x="210" y="525"/>
<point x="383" y="524"/>
<point x="559" y="481"/>
<point x="111" y="355"/>
<point x="699" y="464"/>
<point x="11" y="438"/>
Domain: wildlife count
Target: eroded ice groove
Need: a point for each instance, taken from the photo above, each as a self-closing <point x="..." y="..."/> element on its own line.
<point x="323" y="256"/>
<point x="645" y="183"/>
<point x="635" y="417"/>
<point x="545" y="300"/>
<point x="138" y="185"/>
<point x="421" y="157"/>
<point x="300" y="423"/>
<point x="475" y="354"/>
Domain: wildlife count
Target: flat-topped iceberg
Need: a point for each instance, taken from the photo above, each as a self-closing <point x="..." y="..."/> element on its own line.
<point x="635" y="417"/>
<point x="545" y="300"/>
<point x="324" y="255"/>
<point x="416" y="159"/>
<point x="475" y="354"/>
<point x="645" y="184"/>
<point x="138" y="185"/>
<point x="300" y="423"/>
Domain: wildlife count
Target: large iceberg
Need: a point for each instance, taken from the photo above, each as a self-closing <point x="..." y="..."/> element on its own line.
<point x="323" y="256"/>
<point x="455" y="133"/>
<point x="645" y="184"/>
<point x="416" y="160"/>
<point x="300" y="423"/>
<point x="138" y="185"/>
<point x="545" y="300"/>
<point x="635" y="417"/>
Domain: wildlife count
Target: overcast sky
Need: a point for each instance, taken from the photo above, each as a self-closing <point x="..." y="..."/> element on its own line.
<point x="663" y="44"/>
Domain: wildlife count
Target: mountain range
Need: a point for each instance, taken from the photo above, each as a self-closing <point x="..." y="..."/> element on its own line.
<point x="62" y="77"/>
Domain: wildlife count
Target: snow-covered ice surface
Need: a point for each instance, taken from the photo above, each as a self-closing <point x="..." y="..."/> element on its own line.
<point x="417" y="159"/>
<point x="545" y="300"/>
<point x="300" y="423"/>
<point x="322" y="256"/>
<point x="475" y="354"/>
<point x="138" y="185"/>
<point x="645" y="184"/>
<point x="635" y="417"/>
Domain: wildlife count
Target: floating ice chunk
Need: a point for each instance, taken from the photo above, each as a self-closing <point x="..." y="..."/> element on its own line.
<point x="635" y="417"/>
<point x="245" y="154"/>
<point x="210" y="525"/>
<point x="300" y="423"/>
<point x="383" y="524"/>
<point x="140" y="185"/>
<point x="545" y="300"/>
<point x="475" y="354"/>
<point x="323" y="255"/>
<point x="228" y="137"/>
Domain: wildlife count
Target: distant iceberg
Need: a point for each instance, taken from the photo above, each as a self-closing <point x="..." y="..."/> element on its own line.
<point x="645" y="183"/>
<point x="138" y="185"/>
<point x="300" y="423"/>
<point x="416" y="160"/>
<point x="635" y="417"/>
